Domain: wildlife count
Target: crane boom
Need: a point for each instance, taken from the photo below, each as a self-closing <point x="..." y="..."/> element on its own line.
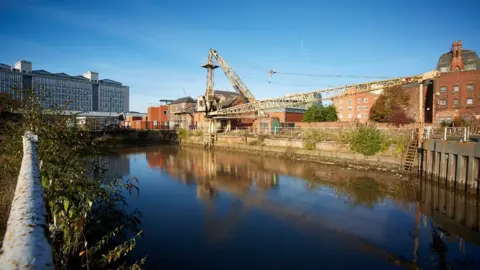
<point x="235" y="80"/>
<point x="313" y="96"/>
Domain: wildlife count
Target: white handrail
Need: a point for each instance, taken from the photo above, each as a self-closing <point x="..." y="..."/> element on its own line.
<point x="26" y="245"/>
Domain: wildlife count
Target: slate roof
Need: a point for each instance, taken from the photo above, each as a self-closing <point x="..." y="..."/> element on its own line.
<point x="183" y="100"/>
<point x="468" y="57"/>
<point x="227" y="94"/>
<point x="227" y="102"/>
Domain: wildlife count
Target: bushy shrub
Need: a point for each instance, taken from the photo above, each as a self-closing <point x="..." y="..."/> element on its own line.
<point x="365" y="139"/>
<point x="182" y="134"/>
<point x="311" y="137"/>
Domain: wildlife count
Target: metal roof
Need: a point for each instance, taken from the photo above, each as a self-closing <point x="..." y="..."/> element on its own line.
<point x="110" y="81"/>
<point x="61" y="74"/>
<point x="3" y="66"/>
<point x="42" y="72"/>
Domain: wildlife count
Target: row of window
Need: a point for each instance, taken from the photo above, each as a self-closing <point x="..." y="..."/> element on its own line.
<point x="350" y="116"/>
<point x="359" y="108"/>
<point x="456" y="102"/>
<point x="7" y="87"/>
<point x="10" y="77"/>
<point x="61" y="82"/>
<point x="456" y="88"/>
<point x="359" y="100"/>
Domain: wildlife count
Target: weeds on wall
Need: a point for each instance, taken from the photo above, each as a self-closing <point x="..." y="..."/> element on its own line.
<point x="364" y="139"/>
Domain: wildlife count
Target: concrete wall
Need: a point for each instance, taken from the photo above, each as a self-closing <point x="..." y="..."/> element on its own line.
<point x="327" y="151"/>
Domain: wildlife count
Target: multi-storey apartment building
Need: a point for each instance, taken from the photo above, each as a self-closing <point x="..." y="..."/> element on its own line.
<point x="355" y="107"/>
<point x="80" y="93"/>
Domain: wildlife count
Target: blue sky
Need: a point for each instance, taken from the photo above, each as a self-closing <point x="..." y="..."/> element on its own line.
<point x="157" y="47"/>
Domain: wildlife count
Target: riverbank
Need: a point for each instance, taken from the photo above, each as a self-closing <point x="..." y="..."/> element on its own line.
<point x="325" y="152"/>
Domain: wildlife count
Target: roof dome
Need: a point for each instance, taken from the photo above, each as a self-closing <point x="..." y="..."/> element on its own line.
<point x="469" y="57"/>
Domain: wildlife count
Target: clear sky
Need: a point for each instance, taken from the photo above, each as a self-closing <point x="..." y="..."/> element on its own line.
<point x="157" y="47"/>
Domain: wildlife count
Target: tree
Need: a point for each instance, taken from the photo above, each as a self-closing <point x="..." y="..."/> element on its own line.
<point x="392" y="101"/>
<point x="90" y="225"/>
<point x="399" y="117"/>
<point x="320" y="114"/>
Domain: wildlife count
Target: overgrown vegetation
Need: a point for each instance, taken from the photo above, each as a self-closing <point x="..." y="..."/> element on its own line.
<point x="89" y="225"/>
<point x="365" y="139"/>
<point x="390" y="107"/>
<point x="311" y="137"/>
<point x="320" y="113"/>
<point x="182" y="134"/>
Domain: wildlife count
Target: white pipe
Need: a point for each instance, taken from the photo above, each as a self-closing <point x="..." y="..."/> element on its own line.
<point x="25" y="245"/>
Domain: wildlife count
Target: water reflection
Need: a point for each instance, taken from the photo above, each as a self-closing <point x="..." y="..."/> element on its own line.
<point x="249" y="200"/>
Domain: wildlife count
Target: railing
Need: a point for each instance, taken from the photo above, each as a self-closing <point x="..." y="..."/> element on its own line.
<point x="26" y="245"/>
<point x="293" y="131"/>
<point x="445" y="133"/>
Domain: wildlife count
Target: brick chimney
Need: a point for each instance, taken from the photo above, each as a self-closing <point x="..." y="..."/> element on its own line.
<point x="457" y="61"/>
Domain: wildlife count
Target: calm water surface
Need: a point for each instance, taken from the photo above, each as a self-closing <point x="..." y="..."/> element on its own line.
<point x="229" y="210"/>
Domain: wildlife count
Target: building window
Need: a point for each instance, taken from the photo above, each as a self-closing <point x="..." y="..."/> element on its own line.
<point x="359" y="100"/>
<point x="349" y="116"/>
<point x="442" y="120"/>
<point x="359" y="108"/>
<point x="456" y="88"/>
<point x="340" y="108"/>
<point x="469" y="101"/>
<point x="443" y="89"/>
<point x="340" y="116"/>
<point x="349" y="101"/>
<point x="359" y="115"/>
<point x="365" y="100"/>
<point x="470" y="87"/>
<point x="349" y="108"/>
<point x="455" y="102"/>
<point x="443" y="102"/>
<point x="165" y="112"/>
<point x="443" y="69"/>
<point x="471" y="67"/>
<point x="449" y="119"/>
<point x="364" y="115"/>
<point x="365" y="108"/>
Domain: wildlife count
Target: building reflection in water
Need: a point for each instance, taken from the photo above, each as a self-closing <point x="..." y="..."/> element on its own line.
<point x="116" y="165"/>
<point x="450" y="215"/>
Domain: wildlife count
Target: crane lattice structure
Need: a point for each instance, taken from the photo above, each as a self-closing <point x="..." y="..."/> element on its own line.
<point x="237" y="83"/>
<point x="313" y="96"/>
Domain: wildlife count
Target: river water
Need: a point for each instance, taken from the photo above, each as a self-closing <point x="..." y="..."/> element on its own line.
<point x="230" y="210"/>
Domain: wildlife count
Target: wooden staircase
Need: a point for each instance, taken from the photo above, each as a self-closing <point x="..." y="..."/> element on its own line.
<point x="410" y="155"/>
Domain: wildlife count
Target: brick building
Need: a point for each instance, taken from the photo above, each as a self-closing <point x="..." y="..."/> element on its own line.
<point x="355" y="107"/>
<point x="456" y="91"/>
<point x="157" y="116"/>
<point x="181" y="112"/>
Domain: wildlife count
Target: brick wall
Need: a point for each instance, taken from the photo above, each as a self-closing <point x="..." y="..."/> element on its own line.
<point x="453" y="93"/>
<point x="355" y="107"/>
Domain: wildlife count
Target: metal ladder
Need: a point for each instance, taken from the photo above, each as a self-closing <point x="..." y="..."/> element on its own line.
<point x="410" y="154"/>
